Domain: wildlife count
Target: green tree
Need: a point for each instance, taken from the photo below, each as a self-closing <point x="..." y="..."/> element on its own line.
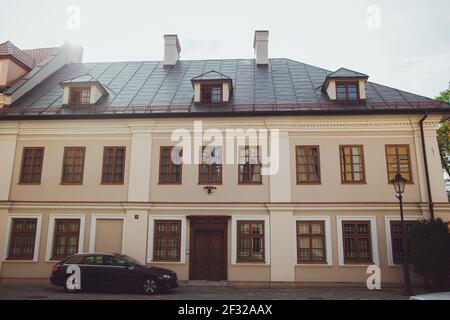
<point x="443" y="134"/>
<point x="430" y="252"/>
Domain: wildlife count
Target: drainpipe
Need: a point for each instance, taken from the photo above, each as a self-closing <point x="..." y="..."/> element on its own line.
<point x="425" y="161"/>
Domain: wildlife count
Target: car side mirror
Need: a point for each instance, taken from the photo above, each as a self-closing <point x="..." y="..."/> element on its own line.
<point x="130" y="268"/>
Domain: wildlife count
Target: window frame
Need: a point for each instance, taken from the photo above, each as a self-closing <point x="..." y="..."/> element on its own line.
<point x="151" y="238"/>
<point x="63" y="182"/>
<point x="171" y="164"/>
<point x="389" y="242"/>
<point x="79" y="101"/>
<point x="251" y="236"/>
<point x="22" y="167"/>
<point x="113" y="165"/>
<point x="55" y="234"/>
<point x="210" y="86"/>
<point x="37" y="240"/>
<point x="51" y="236"/>
<point x="362" y="164"/>
<point x="310" y="236"/>
<point x="210" y="167"/>
<point x="408" y="181"/>
<point x="347" y="83"/>
<point x="328" y="239"/>
<point x="395" y="259"/>
<point x="250" y="182"/>
<point x="234" y="240"/>
<point x="308" y="164"/>
<point x="166" y="235"/>
<point x="358" y="237"/>
<point x="373" y="237"/>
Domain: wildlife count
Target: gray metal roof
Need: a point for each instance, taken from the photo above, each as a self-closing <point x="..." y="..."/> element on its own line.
<point x="346" y="73"/>
<point x="87" y="78"/>
<point x="147" y="87"/>
<point x="211" y="75"/>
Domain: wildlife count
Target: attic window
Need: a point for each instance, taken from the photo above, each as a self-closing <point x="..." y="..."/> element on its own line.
<point x="211" y="93"/>
<point x="80" y="96"/>
<point x="347" y="91"/>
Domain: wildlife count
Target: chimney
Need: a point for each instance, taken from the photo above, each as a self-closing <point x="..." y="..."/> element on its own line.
<point x="172" y="49"/>
<point x="261" y="46"/>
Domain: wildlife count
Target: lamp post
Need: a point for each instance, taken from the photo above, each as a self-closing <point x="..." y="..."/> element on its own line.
<point x="399" y="186"/>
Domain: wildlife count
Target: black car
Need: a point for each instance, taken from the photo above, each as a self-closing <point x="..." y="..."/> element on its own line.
<point x="114" y="271"/>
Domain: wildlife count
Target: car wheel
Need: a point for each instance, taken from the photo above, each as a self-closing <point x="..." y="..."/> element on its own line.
<point x="150" y="286"/>
<point x="70" y="290"/>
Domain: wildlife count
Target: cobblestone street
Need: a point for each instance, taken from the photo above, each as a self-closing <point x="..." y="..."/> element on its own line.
<point x="45" y="291"/>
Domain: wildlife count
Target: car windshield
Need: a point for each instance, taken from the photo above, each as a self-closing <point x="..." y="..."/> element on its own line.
<point x="132" y="260"/>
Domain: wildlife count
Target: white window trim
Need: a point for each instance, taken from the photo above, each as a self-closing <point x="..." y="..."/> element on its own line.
<point x="151" y="233"/>
<point x="234" y="220"/>
<point x="328" y="242"/>
<point x="387" y="226"/>
<point x="374" y="237"/>
<point x="93" y="230"/>
<point x="37" y="240"/>
<point x="51" y="229"/>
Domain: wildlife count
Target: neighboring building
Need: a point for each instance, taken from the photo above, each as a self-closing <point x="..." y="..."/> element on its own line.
<point x="86" y="166"/>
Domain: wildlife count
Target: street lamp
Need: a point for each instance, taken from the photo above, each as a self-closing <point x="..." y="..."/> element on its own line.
<point x="399" y="185"/>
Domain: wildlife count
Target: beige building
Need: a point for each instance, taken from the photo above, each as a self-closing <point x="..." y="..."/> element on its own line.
<point x="86" y="166"/>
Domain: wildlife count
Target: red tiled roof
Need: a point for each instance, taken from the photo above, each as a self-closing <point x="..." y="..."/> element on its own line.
<point x="29" y="58"/>
<point x="41" y="54"/>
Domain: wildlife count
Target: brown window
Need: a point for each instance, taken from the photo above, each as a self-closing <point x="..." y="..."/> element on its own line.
<point x="79" y="96"/>
<point x="32" y="160"/>
<point x="73" y="165"/>
<point x="347" y="91"/>
<point x="308" y="164"/>
<point x="250" y="241"/>
<point x="249" y="166"/>
<point x="167" y="240"/>
<point x="311" y="242"/>
<point x="210" y="170"/>
<point x="352" y="164"/>
<point x="113" y="165"/>
<point x="397" y="237"/>
<point x="66" y="237"/>
<point x="357" y="242"/>
<point x="170" y="171"/>
<point x="398" y="161"/>
<point x="211" y="93"/>
<point x="22" y="239"/>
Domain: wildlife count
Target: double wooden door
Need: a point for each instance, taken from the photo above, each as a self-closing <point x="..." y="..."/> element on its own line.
<point x="208" y="248"/>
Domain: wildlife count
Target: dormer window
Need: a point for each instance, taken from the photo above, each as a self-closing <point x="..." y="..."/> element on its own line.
<point x="83" y="91"/>
<point x="212" y="88"/>
<point x="79" y="96"/>
<point x="345" y="85"/>
<point x="211" y="93"/>
<point x="347" y="91"/>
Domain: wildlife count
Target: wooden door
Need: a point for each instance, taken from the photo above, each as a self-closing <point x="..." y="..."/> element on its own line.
<point x="208" y="257"/>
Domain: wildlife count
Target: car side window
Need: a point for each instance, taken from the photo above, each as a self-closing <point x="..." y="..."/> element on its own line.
<point x="92" y="260"/>
<point x="114" y="261"/>
<point x="74" y="260"/>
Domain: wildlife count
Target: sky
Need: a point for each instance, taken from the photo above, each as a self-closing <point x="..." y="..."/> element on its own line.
<point x="403" y="44"/>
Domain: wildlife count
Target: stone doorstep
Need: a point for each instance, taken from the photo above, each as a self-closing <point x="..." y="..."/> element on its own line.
<point x="208" y="284"/>
<point x="24" y="281"/>
<point x="237" y="284"/>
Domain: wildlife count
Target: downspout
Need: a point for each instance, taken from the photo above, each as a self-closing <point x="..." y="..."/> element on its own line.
<point x="425" y="161"/>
